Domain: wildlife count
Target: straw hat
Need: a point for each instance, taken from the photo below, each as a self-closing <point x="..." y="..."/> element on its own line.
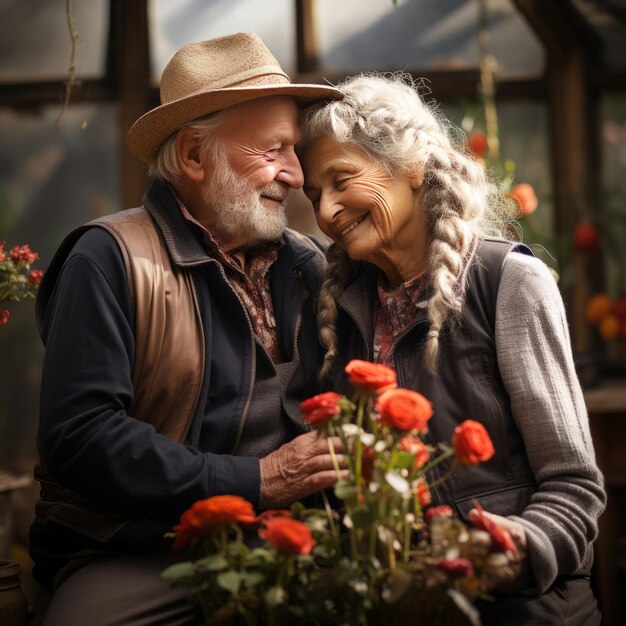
<point x="208" y="76"/>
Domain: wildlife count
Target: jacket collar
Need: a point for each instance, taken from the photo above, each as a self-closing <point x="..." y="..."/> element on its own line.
<point x="184" y="245"/>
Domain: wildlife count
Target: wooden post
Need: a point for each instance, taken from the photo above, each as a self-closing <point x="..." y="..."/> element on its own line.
<point x="570" y="45"/>
<point x="130" y="62"/>
<point x="306" y="60"/>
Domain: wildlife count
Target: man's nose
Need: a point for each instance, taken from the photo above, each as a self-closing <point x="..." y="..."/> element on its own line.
<point x="291" y="173"/>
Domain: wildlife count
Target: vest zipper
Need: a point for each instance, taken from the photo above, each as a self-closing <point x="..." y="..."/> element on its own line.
<point x="242" y="419"/>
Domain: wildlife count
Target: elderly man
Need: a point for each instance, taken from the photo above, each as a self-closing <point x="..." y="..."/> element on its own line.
<point x="180" y="339"/>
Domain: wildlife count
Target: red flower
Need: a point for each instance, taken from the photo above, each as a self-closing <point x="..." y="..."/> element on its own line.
<point x="416" y="447"/>
<point x="437" y="511"/>
<point x="2" y="254"/>
<point x="372" y="377"/>
<point x="477" y="144"/>
<point x="205" y="515"/>
<point x="472" y="443"/>
<point x="404" y="409"/>
<point x="34" y="277"/>
<point x="321" y="408"/>
<point x="587" y="238"/>
<point x="525" y="198"/>
<point x="423" y="494"/>
<point x="23" y="253"/>
<point x="4" y="316"/>
<point x="288" y="535"/>
<point x="500" y="536"/>
<point x="456" y="568"/>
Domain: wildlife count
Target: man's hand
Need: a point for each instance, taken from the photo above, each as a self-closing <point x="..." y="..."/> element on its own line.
<point x="299" y="468"/>
<point x="506" y="574"/>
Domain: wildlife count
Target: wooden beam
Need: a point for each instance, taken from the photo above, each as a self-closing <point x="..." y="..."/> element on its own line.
<point x="306" y="40"/>
<point x="452" y="85"/>
<point x="37" y="95"/>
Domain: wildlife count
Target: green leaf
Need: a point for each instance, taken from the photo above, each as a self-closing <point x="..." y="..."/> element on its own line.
<point x="213" y="563"/>
<point x="345" y="490"/>
<point x="403" y="460"/>
<point x="275" y="596"/>
<point x="251" y="579"/>
<point x="178" y="571"/>
<point x="231" y="581"/>
<point x="361" y="517"/>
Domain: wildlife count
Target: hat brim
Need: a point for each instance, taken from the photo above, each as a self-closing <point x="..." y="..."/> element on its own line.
<point x="153" y="128"/>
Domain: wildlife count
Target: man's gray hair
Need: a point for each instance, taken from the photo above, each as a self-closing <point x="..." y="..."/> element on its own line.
<point x="166" y="165"/>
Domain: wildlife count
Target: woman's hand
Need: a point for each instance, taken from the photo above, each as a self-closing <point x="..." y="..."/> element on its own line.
<point x="511" y="574"/>
<point x="299" y="468"/>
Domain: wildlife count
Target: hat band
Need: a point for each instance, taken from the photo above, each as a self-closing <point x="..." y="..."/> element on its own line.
<point x="257" y="72"/>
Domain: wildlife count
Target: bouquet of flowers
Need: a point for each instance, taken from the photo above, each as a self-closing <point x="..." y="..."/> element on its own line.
<point x="381" y="556"/>
<point x="17" y="280"/>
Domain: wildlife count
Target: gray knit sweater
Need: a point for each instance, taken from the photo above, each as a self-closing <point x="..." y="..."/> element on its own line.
<point x="537" y="367"/>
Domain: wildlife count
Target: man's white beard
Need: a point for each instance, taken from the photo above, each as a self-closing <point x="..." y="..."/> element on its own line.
<point x="239" y="217"/>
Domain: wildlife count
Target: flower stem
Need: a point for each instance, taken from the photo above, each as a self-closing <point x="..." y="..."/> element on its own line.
<point x="358" y="446"/>
<point x="329" y="513"/>
<point x="442" y="457"/>
<point x="443" y="477"/>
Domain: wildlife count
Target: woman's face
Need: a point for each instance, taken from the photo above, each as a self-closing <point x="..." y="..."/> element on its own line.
<point x="372" y="215"/>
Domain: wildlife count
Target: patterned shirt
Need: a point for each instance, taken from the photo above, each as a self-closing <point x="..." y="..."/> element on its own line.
<point x="394" y="312"/>
<point x="252" y="286"/>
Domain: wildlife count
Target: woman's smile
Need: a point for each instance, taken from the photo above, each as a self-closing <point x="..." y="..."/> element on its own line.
<point x="353" y="225"/>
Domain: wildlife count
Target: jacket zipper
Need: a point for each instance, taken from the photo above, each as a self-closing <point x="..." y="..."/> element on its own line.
<point x="242" y="419"/>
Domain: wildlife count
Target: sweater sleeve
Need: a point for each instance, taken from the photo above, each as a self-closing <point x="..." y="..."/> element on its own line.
<point x="537" y="367"/>
<point x="87" y="439"/>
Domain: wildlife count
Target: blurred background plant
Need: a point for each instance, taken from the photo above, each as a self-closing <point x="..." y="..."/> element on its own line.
<point x="17" y="280"/>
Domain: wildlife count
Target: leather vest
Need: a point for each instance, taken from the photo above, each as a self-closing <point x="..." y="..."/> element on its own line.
<point x="169" y="354"/>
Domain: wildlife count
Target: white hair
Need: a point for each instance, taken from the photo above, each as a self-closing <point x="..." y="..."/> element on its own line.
<point x="387" y="118"/>
<point x="166" y="165"/>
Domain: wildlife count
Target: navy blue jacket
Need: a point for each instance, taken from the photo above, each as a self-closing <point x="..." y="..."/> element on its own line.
<point x="87" y="440"/>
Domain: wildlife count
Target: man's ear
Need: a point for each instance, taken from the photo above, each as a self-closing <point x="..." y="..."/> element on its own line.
<point x="191" y="159"/>
<point x="416" y="179"/>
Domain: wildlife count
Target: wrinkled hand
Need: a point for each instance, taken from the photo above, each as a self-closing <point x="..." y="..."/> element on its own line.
<point x="510" y="573"/>
<point x="299" y="468"/>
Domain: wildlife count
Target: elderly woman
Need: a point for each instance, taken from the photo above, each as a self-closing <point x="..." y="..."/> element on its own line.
<point x="418" y="281"/>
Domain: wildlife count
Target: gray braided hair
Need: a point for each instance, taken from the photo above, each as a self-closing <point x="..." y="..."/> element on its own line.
<point x="385" y="116"/>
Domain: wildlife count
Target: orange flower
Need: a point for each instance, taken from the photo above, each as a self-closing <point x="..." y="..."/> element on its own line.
<point x="587" y="238"/>
<point x="372" y="377"/>
<point x="404" y="409"/>
<point x="477" y="144"/>
<point x="423" y="493"/>
<point x="205" y="515"/>
<point x="525" y="198"/>
<point x="321" y="408"/>
<point x="610" y="327"/>
<point x="598" y="307"/>
<point x="472" y="443"/>
<point x="416" y="447"/>
<point x="288" y="535"/>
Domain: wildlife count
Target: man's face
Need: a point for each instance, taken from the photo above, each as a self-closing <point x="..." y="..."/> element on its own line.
<point x="259" y="137"/>
<point x="254" y="167"/>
